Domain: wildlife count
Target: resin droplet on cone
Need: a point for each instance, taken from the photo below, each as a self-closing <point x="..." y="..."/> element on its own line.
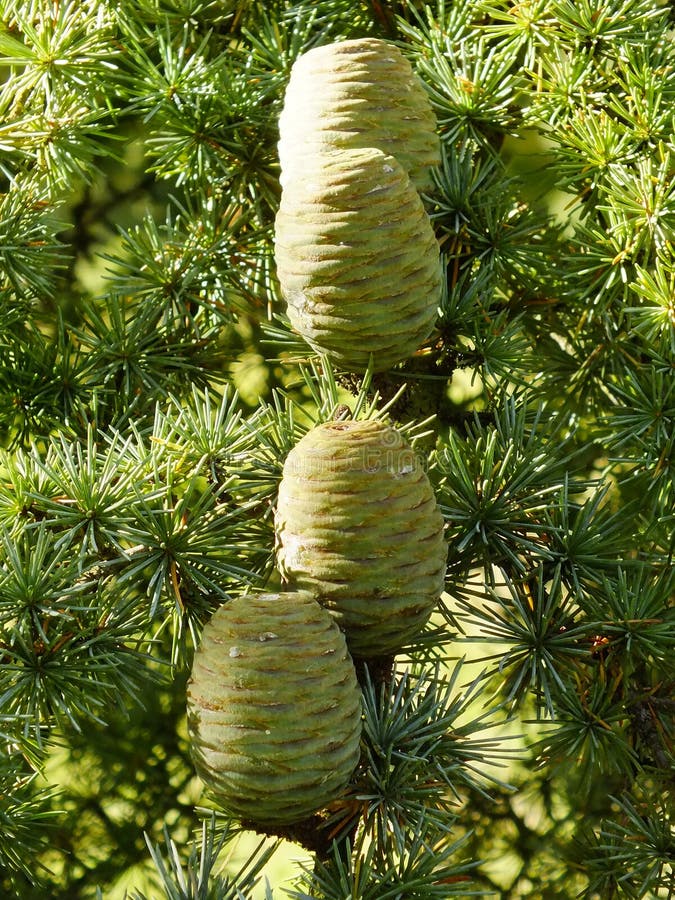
<point x="358" y="525"/>
<point x="358" y="93"/>
<point x="357" y="259"/>
<point x="274" y="708"/>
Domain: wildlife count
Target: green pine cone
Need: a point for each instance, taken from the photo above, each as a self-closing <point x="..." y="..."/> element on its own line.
<point x="274" y="708"/>
<point x="358" y="525"/>
<point x="357" y="259"/>
<point x="358" y="93"/>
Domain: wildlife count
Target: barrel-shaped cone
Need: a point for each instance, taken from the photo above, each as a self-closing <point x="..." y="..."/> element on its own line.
<point x="357" y="259"/>
<point x="358" y="525"/>
<point x="274" y="708"/>
<point x="358" y="93"/>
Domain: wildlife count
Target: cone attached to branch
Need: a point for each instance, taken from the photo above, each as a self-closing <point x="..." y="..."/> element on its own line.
<point x="358" y="525"/>
<point x="274" y="708"/>
<point x="357" y="259"/>
<point x="358" y="93"/>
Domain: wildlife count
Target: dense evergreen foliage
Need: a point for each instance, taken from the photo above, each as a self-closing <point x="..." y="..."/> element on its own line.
<point x="151" y="388"/>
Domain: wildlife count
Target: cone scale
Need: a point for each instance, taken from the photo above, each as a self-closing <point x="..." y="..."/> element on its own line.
<point x="357" y="259"/>
<point x="358" y="525"/>
<point x="274" y="708"/>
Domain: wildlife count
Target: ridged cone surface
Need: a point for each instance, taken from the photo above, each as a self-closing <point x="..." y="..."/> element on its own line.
<point x="357" y="524"/>
<point x="358" y="93"/>
<point x="357" y="259"/>
<point x="274" y="708"/>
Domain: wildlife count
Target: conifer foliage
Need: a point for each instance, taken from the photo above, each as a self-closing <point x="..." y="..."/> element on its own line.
<point x="155" y="377"/>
